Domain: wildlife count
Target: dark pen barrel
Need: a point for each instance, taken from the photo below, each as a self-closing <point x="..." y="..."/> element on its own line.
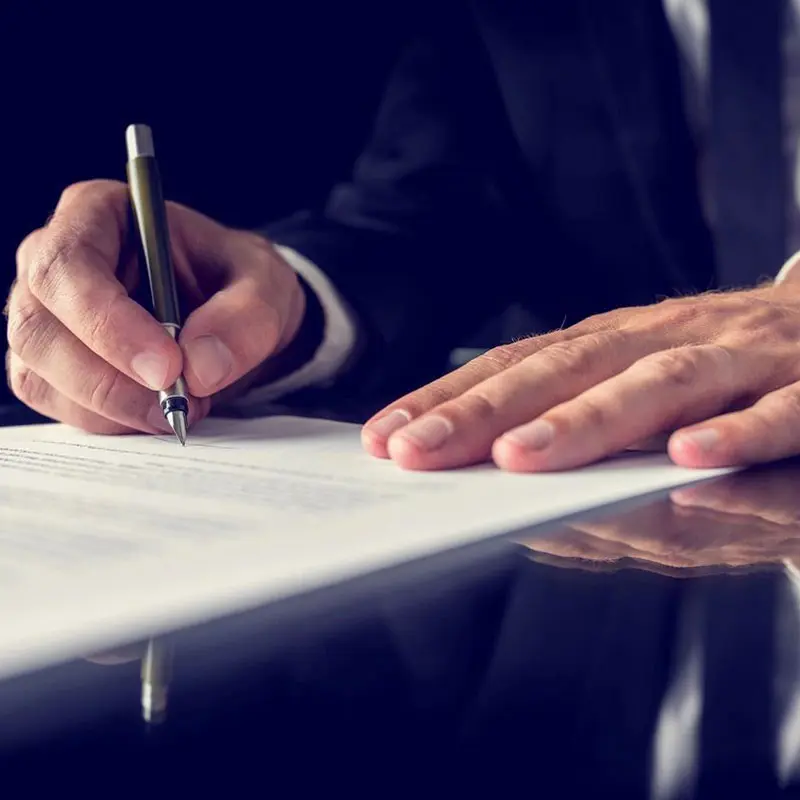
<point x="150" y="213"/>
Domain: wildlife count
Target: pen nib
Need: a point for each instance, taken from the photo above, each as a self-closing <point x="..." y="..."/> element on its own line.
<point x="177" y="421"/>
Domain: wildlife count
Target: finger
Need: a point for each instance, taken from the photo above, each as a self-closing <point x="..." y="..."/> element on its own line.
<point x="660" y="532"/>
<point x="377" y="430"/>
<point x="462" y="430"/>
<point x="767" y="431"/>
<point x="64" y="363"/>
<point x="36" y="393"/>
<point x="70" y="268"/>
<point x="652" y="395"/>
<point x="239" y="327"/>
<point x="755" y="493"/>
<point x="127" y="266"/>
<point x="575" y="543"/>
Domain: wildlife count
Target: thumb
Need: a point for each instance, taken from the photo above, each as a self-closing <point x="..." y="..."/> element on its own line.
<point x="230" y="335"/>
<point x="239" y="327"/>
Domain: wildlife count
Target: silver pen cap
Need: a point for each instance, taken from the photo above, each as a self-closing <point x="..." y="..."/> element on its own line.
<point x="139" y="141"/>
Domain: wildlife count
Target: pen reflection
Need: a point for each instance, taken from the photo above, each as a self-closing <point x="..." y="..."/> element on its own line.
<point x="513" y="665"/>
<point x="156" y="656"/>
<point x="746" y="521"/>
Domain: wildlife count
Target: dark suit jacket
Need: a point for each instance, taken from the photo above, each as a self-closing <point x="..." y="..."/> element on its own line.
<point x="525" y="151"/>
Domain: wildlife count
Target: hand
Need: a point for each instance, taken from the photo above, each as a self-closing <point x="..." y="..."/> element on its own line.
<point x="718" y="371"/>
<point x="749" y="519"/>
<point x="84" y="353"/>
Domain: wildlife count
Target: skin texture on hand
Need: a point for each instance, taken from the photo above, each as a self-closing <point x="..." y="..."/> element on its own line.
<point x="717" y="373"/>
<point x="83" y="352"/>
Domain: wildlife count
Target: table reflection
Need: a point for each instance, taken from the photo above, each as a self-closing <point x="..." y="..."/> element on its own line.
<point x="650" y="651"/>
<point x="748" y="519"/>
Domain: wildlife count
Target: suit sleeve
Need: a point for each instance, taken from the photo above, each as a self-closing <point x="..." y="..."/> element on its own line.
<point x="406" y="241"/>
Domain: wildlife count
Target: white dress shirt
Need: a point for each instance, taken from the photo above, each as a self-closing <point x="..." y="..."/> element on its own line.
<point x="690" y="26"/>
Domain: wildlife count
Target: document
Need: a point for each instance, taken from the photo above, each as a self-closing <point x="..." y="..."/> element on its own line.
<point x="104" y="540"/>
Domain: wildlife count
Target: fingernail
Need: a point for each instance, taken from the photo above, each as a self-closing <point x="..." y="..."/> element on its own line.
<point x="536" y="436"/>
<point x="151" y="368"/>
<point x="428" y="433"/>
<point x="386" y="426"/>
<point x="704" y="439"/>
<point x="155" y="417"/>
<point x="209" y="359"/>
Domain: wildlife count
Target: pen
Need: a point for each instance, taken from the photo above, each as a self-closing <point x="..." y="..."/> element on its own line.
<point x="156" y="674"/>
<point x="147" y="201"/>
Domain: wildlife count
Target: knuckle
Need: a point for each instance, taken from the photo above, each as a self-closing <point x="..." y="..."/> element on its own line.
<point x="578" y="356"/>
<point x="764" y="315"/>
<point x="105" y="391"/>
<point x="785" y="331"/>
<point x="27" y="330"/>
<point x="25" y="247"/>
<point x="569" y="355"/>
<point x="499" y="358"/>
<point x="433" y="395"/>
<point x="785" y="404"/>
<point x="49" y="264"/>
<point x="675" y="368"/>
<point x="605" y="340"/>
<point x="81" y="188"/>
<point x="764" y="323"/>
<point x="723" y="359"/>
<point x="27" y="386"/>
<point x="98" y="328"/>
<point x="594" y="414"/>
<point x="590" y="413"/>
<point x="475" y="405"/>
<point x="68" y="242"/>
<point x="68" y="193"/>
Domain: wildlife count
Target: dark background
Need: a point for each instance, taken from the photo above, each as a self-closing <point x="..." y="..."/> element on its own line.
<point x="257" y="110"/>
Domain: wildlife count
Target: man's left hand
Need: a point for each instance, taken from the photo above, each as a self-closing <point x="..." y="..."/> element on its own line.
<point x="719" y="372"/>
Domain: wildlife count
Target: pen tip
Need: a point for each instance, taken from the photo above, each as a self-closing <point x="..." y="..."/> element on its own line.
<point x="177" y="421"/>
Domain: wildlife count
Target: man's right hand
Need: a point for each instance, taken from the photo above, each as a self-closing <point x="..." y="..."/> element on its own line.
<point x="84" y="353"/>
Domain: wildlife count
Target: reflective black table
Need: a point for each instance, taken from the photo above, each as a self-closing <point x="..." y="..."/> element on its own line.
<point x="646" y="650"/>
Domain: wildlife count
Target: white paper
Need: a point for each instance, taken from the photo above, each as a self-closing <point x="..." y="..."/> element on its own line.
<point x="109" y="539"/>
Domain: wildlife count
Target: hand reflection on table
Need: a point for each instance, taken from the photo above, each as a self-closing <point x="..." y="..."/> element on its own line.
<point x="156" y="655"/>
<point x="648" y="679"/>
<point x="749" y="519"/>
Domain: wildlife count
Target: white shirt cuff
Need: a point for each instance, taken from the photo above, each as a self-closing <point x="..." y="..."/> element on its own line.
<point x="791" y="263"/>
<point x="339" y="337"/>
